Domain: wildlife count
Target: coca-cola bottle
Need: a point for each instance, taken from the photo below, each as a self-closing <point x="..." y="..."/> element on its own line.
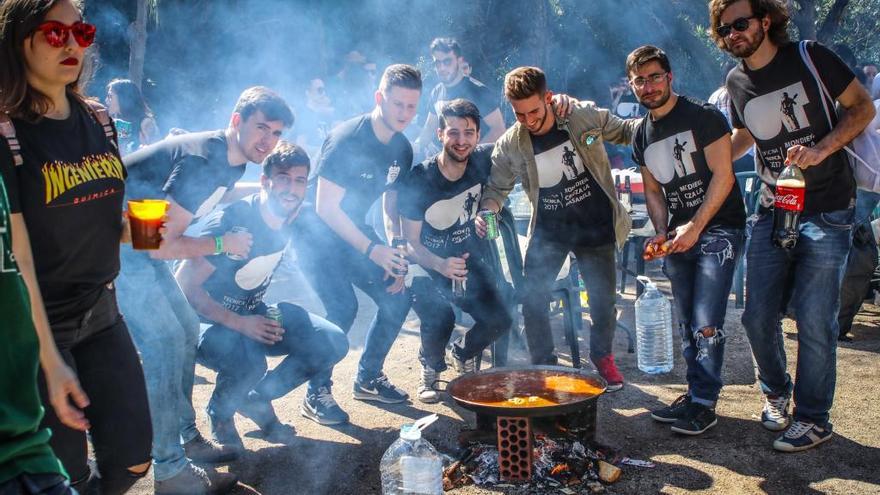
<point x="787" y="207"/>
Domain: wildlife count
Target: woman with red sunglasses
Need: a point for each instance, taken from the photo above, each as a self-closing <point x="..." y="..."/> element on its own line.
<point x="65" y="183"/>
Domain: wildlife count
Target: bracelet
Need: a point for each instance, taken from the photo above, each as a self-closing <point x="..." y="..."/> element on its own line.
<point x="218" y="244"/>
<point x="370" y="248"/>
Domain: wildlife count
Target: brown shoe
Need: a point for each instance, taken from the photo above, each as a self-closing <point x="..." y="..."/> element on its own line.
<point x="194" y="480"/>
<point x="202" y="450"/>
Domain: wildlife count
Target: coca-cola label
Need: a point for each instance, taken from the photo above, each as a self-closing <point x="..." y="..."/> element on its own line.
<point x="789" y="198"/>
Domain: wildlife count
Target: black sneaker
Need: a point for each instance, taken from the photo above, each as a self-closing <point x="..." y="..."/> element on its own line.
<point x="672" y="412"/>
<point x="802" y="435"/>
<point x="203" y="451"/>
<point x="195" y="480"/>
<point x="226" y="434"/>
<point x="697" y="419"/>
<point x="321" y="408"/>
<point x="379" y="389"/>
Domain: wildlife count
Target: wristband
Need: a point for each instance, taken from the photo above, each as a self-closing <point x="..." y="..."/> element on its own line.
<point x="370" y="248"/>
<point x="218" y="244"/>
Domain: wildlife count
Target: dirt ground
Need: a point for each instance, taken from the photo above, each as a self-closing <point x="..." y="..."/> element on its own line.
<point x="734" y="457"/>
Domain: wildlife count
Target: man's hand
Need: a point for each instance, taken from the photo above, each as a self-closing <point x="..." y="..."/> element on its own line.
<point x="455" y="268"/>
<point x="63" y="387"/>
<point x="804" y="157"/>
<point x="389" y="259"/>
<point x="260" y="328"/>
<point x="563" y="104"/>
<point x="686" y="236"/>
<point x="480" y="227"/>
<point x="238" y="243"/>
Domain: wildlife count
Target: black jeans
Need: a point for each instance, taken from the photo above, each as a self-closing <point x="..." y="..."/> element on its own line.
<point x="433" y="301"/>
<point x="333" y="269"/>
<point x="311" y="345"/>
<point x="98" y="348"/>
<point x="543" y="261"/>
<point x="37" y="484"/>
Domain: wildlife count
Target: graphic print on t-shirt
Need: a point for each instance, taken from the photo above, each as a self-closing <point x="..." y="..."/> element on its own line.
<point x="460" y="209"/>
<point x="61" y="178"/>
<point x="257" y="271"/>
<point x="676" y="149"/>
<point x="7" y="259"/>
<point x="556" y="164"/>
<point x="767" y="115"/>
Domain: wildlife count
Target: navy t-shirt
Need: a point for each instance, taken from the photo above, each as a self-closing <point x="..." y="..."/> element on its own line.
<point x="447" y="209"/>
<point x="193" y="169"/>
<point x="671" y="148"/>
<point x="353" y="158"/>
<point x="69" y="190"/>
<point x="572" y="207"/>
<point x="239" y="285"/>
<point x="780" y="104"/>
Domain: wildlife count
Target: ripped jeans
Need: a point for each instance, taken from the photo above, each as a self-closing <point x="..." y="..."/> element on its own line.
<point x="701" y="278"/>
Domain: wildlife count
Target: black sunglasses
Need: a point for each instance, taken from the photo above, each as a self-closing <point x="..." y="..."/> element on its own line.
<point x="740" y="25"/>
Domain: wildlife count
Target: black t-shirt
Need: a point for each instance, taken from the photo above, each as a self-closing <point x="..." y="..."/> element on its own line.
<point x="470" y="89"/>
<point x="192" y="169"/>
<point x="239" y="285"/>
<point x="572" y="207"/>
<point x="447" y="208"/>
<point x="70" y="191"/>
<point x="353" y="158"/>
<point x="672" y="150"/>
<point x="780" y="104"/>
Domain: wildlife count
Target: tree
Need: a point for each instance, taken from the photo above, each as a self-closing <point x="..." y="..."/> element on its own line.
<point x="138" y="39"/>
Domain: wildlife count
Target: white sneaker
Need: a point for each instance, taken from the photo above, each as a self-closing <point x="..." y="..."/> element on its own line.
<point x="774" y="417"/>
<point x="426" y="391"/>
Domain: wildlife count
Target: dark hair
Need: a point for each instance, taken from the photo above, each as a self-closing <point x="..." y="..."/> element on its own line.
<point x="263" y="99"/>
<point x="18" y="21"/>
<point x="132" y="106"/>
<point x="446" y="45"/>
<point x="523" y="82"/>
<point x="460" y="108"/>
<point x="285" y="156"/>
<point x="401" y="75"/>
<point x="646" y="54"/>
<point x="775" y="9"/>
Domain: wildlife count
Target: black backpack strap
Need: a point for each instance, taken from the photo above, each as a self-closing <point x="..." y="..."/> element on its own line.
<point x="7" y="130"/>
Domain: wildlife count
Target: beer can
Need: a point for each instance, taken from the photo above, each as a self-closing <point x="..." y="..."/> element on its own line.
<point x="273" y="313"/>
<point x="399" y="243"/>
<point x="491" y="224"/>
<point x="235" y="256"/>
<point x="458" y="288"/>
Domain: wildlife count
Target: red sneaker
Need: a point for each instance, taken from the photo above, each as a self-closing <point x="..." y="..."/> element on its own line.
<point x="608" y="370"/>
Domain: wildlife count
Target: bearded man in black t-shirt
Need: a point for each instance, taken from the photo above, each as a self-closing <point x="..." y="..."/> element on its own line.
<point x="438" y="205"/>
<point x="683" y="148"/>
<point x="454" y="83"/>
<point x="228" y="292"/>
<point x="363" y="159"/>
<point x="777" y="105"/>
<point x="194" y="172"/>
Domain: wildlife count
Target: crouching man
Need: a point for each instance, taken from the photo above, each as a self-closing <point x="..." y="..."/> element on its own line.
<point x="227" y="291"/>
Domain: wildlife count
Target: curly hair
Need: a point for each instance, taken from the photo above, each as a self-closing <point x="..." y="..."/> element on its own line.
<point x="776" y="10"/>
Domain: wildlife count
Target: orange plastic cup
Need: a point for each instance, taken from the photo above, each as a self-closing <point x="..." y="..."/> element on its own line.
<point x="145" y="217"/>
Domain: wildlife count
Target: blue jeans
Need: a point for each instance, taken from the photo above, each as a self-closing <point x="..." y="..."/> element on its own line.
<point x="701" y="278"/>
<point x="165" y="330"/>
<point x="543" y="261"/>
<point x="809" y="275"/>
<point x="310" y="344"/>
<point x="433" y="303"/>
<point x="333" y="269"/>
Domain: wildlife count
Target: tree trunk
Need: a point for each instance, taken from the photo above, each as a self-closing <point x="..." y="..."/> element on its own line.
<point x="829" y="26"/>
<point x="803" y="15"/>
<point x="138" y="43"/>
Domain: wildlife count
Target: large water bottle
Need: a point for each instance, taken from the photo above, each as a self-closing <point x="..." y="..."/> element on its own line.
<point x="653" y="330"/>
<point x="411" y="465"/>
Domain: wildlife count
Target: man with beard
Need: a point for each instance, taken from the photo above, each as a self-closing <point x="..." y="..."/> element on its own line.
<point x="437" y="205"/>
<point x="683" y="148"/>
<point x="228" y="293"/>
<point x="362" y="160"/>
<point x="454" y="83"/>
<point x="580" y="214"/>
<point x="810" y="273"/>
<point x="193" y="172"/>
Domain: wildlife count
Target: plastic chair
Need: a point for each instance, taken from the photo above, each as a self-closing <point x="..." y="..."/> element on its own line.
<point x="750" y="188"/>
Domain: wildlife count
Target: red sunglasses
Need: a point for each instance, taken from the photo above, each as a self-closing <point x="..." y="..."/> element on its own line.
<point x="58" y="33"/>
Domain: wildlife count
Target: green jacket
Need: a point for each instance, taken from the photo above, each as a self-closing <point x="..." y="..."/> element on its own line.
<point x="587" y="127"/>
